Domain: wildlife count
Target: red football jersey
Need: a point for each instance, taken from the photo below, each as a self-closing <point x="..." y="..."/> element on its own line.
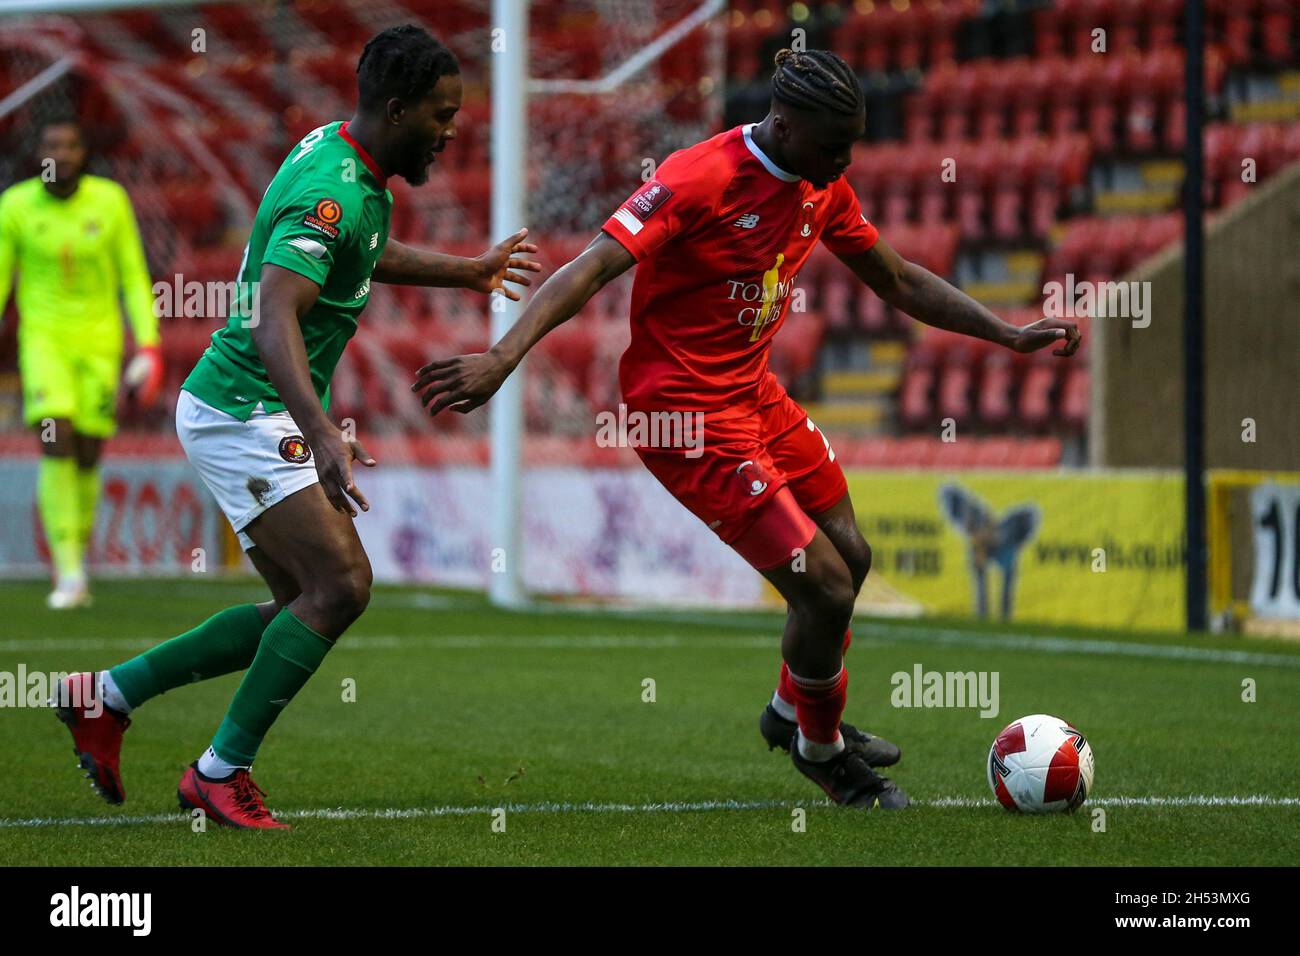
<point x="719" y="236"/>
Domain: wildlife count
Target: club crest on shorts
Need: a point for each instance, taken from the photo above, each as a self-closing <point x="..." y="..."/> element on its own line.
<point x="293" y="449"/>
<point x="754" y="475"/>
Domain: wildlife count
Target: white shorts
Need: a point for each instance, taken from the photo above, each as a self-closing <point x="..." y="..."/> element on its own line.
<point x="248" y="466"/>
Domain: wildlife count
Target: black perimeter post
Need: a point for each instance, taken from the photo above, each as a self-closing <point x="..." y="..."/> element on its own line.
<point x="1194" y="318"/>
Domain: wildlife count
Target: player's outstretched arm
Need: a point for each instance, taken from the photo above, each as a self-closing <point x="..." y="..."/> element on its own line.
<point x="465" y="382"/>
<point x="144" y="373"/>
<point x="404" y="265"/>
<point x="926" y="297"/>
<point x="284" y="297"/>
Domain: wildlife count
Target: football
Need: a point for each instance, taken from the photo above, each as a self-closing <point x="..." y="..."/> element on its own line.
<point x="1040" y="764"/>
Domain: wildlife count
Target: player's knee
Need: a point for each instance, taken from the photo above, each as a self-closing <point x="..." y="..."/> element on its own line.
<point x="58" y="441"/>
<point x="344" y="594"/>
<point x="857" y="556"/>
<point x="830" y="597"/>
<point x="354" y="590"/>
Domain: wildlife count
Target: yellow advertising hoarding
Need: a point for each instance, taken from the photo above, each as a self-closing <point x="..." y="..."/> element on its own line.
<point x="1101" y="549"/>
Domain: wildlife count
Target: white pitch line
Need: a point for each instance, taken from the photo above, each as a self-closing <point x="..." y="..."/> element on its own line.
<point x="1049" y="644"/>
<point x="1195" y="800"/>
<point x="416" y="813"/>
<point x="867" y="634"/>
<point x="385" y="642"/>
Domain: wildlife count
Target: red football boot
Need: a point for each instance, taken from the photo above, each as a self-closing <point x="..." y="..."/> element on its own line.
<point x="233" y="802"/>
<point x="96" y="733"/>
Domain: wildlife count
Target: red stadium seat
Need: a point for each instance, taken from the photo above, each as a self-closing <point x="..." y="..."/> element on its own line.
<point x="1277" y="29"/>
<point x="956" y="383"/>
<point x="1161" y="22"/>
<point x="1048" y="30"/>
<point x="1033" y="81"/>
<point x="994" y="402"/>
<point x="914" y="408"/>
<point x="1035" y="407"/>
<point x="1076" y="398"/>
<point x="939" y="25"/>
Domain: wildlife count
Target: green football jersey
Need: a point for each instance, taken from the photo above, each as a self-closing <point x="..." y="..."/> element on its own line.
<point x="325" y="216"/>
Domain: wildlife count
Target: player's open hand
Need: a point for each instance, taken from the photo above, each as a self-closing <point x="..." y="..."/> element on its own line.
<point x="1045" y="332"/>
<point x="462" y="383"/>
<point x="497" y="266"/>
<point x="334" y="456"/>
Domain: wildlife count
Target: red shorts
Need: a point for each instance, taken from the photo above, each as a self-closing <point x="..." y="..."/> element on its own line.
<point x="755" y="480"/>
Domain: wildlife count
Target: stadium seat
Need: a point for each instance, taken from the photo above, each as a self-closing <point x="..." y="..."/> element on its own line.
<point x="1076" y="398"/>
<point x="956" y="382"/>
<point x="1277" y="29"/>
<point x="914" y="408"/>
<point x="994" y="406"/>
<point x="1034" y="409"/>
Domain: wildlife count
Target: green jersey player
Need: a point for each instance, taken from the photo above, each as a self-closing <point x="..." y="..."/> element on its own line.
<point x="253" y="419"/>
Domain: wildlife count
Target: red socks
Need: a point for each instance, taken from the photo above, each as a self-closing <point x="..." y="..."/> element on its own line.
<point x="783" y="688"/>
<point x="819" y="704"/>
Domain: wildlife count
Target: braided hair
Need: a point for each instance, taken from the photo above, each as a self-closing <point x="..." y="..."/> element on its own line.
<point x="403" y="62"/>
<point x="816" y="80"/>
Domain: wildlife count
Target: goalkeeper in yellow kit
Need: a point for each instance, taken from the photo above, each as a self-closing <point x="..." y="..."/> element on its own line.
<point x="70" y="240"/>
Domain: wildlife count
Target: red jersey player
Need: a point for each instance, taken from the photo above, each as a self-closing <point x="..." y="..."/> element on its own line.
<point x="719" y="236"/>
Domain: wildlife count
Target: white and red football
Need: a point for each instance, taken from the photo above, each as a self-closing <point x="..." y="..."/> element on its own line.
<point x="1040" y="764"/>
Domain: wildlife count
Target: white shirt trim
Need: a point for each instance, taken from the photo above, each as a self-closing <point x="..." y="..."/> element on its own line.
<point x="627" y="221"/>
<point x="762" y="157"/>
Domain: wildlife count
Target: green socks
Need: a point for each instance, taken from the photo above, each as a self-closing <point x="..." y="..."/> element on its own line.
<point x="287" y="656"/>
<point x="223" y="644"/>
<point x="59" y="501"/>
<point x="279" y="658"/>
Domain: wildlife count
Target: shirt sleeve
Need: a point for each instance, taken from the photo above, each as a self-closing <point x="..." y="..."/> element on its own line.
<point x="847" y="231"/>
<point x="133" y="276"/>
<point x="307" y="231"/>
<point x="664" y="207"/>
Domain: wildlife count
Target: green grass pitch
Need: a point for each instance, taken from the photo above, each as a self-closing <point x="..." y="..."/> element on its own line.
<point x="460" y="708"/>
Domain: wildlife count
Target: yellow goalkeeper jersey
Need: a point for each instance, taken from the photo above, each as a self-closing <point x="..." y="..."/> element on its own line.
<point x="72" y="259"/>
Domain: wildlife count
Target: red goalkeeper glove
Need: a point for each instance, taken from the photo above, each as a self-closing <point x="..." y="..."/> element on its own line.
<point x="144" y="375"/>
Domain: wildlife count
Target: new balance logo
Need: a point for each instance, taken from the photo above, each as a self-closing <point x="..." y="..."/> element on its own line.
<point x="309" y="246"/>
<point x="748" y="221"/>
<point x="374" y="241"/>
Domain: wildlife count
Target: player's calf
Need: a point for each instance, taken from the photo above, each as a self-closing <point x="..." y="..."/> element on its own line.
<point x="820" y="594"/>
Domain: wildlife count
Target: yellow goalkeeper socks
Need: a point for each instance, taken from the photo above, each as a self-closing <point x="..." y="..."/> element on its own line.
<point x="59" y="501"/>
<point x="88" y="501"/>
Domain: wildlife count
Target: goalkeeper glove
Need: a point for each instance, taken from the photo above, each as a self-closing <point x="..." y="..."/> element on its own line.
<point x="144" y="375"/>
